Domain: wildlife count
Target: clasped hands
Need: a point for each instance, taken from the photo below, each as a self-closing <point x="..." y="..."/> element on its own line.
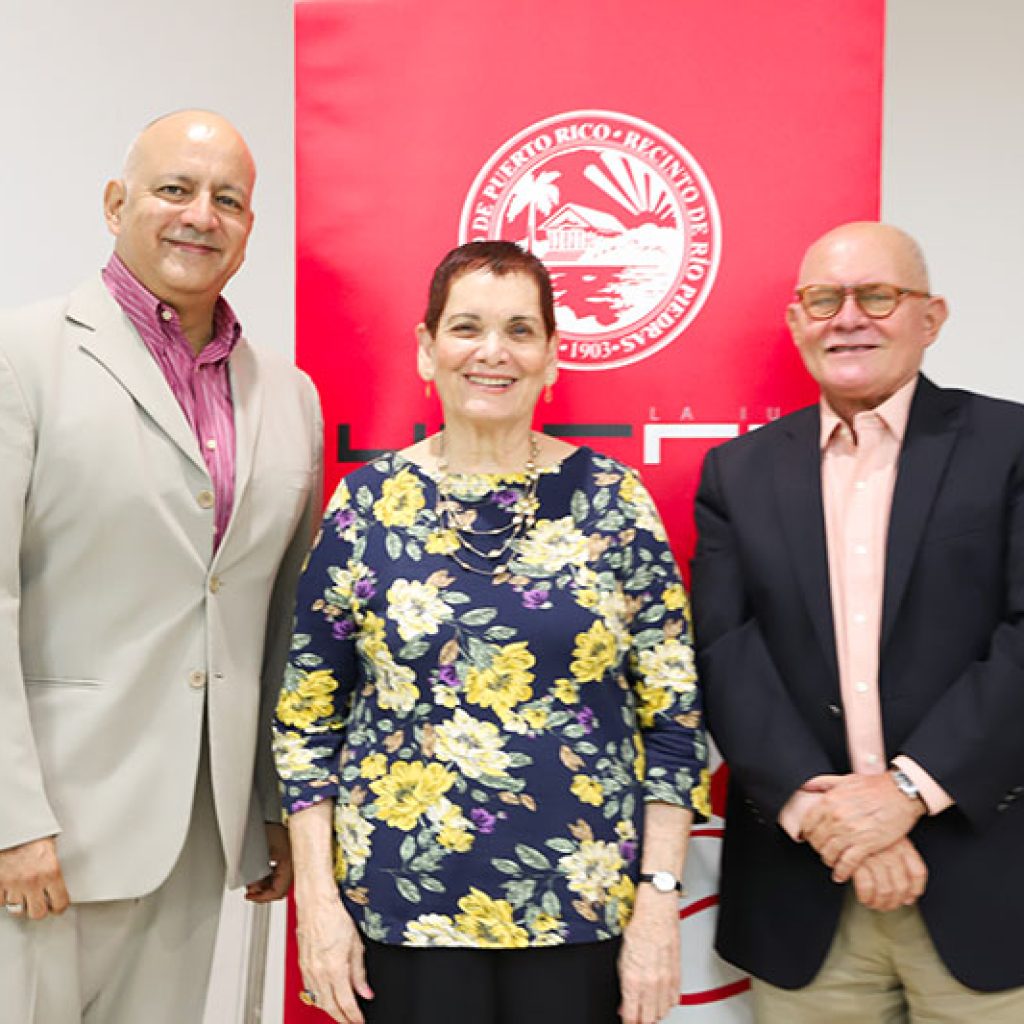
<point x="860" y="827"/>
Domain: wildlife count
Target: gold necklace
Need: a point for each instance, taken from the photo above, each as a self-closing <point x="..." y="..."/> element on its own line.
<point x="456" y="514"/>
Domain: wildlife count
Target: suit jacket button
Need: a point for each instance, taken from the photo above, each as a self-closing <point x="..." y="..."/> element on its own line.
<point x="215" y="582"/>
<point x="196" y="679"/>
<point x="205" y="499"/>
<point x="835" y="711"/>
<point x="1002" y="806"/>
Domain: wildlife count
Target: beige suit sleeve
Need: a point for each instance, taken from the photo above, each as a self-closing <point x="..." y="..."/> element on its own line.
<point x="282" y="613"/>
<point x="25" y="812"/>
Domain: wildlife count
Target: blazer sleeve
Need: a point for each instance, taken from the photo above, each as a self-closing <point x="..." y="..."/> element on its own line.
<point x="769" y="747"/>
<point x="25" y="812"/>
<point x="282" y="613"/>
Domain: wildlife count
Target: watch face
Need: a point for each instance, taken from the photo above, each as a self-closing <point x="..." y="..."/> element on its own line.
<point x="663" y="881"/>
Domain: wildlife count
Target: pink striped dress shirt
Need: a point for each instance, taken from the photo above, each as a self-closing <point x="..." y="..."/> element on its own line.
<point x="858" y="477"/>
<point x="201" y="383"/>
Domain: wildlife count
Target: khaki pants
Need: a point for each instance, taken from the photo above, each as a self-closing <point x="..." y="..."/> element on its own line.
<point x="883" y="969"/>
<point x="125" y="961"/>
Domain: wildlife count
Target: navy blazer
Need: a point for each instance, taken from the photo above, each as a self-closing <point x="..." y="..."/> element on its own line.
<point x="951" y="678"/>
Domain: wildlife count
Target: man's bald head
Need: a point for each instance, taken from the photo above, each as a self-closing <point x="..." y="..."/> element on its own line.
<point x="903" y="251"/>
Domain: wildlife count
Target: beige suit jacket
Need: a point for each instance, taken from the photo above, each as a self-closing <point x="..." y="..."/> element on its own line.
<point x="120" y="629"/>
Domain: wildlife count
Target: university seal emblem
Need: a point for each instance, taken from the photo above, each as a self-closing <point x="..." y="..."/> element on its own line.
<point x="624" y="219"/>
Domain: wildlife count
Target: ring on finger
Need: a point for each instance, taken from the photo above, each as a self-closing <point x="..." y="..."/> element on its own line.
<point x="15" y="908"/>
<point x="307" y="997"/>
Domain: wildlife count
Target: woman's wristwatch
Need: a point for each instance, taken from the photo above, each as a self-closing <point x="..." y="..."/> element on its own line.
<point x="663" y="881"/>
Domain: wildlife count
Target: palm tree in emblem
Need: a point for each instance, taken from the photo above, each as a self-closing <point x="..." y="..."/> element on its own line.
<point x="533" y="193"/>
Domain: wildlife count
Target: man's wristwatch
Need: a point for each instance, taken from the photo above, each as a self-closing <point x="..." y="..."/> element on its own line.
<point x="663" y="881"/>
<point x="905" y="784"/>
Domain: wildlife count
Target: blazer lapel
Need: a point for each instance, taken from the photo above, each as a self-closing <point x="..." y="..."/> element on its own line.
<point x="931" y="433"/>
<point x="110" y="339"/>
<point x="247" y="400"/>
<point x="798" y="493"/>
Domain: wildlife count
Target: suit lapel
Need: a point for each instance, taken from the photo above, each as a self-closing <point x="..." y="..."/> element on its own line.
<point x="247" y="400"/>
<point x="931" y="433"/>
<point x="798" y="493"/>
<point x="110" y="339"/>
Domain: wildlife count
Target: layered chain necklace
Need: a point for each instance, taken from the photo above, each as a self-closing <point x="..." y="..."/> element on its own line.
<point x="485" y="550"/>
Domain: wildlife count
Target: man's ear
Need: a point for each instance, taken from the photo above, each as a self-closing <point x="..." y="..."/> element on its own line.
<point x="935" y="315"/>
<point x="113" y="204"/>
<point x="793" y="323"/>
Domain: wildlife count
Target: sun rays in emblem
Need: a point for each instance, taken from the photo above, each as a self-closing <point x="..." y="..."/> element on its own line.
<point x="631" y="184"/>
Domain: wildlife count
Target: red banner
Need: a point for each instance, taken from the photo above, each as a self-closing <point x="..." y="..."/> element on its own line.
<point x="669" y="161"/>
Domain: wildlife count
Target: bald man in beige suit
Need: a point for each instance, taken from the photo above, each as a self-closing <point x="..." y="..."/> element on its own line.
<point x="146" y="593"/>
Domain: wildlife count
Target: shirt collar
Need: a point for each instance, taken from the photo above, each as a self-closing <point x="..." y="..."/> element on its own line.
<point x="893" y="412"/>
<point x="145" y="310"/>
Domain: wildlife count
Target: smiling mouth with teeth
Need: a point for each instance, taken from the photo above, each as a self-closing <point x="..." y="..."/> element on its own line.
<point x="491" y="382"/>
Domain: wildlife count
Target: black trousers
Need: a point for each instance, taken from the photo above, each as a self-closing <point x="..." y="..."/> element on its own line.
<point x="573" y="984"/>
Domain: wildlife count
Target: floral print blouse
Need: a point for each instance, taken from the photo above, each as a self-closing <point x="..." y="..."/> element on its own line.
<point x="489" y="741"/>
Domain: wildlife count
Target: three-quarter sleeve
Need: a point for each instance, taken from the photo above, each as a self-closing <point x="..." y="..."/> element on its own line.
<point x="322" y="669"/>
<point x="661" y="662"/>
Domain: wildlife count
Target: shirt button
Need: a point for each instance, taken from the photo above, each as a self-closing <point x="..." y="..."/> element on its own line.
<point x="859" y="485"/>
<point x="860" y="618"/>
<point x="211" y="445"/>
<point x="860" y="549"/>
<point x="204" y="499"/>
<point x="872" y="759"/>
<point x="214" y="584"/>
<point x="166" y="315"/>
<point x="861" y="687"/>
<point x="196" y="679"/>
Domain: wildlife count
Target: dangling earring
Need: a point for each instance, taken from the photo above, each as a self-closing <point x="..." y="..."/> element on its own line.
<point x="548" y="394"/>
<point x="427" y="389"/>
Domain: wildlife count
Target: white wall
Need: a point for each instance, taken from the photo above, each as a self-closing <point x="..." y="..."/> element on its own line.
<point x="79" y="79"/>
<point x="953" y="176"/>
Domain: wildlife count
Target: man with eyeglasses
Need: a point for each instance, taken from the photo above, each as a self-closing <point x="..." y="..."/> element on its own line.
<point x="858" y="591"/>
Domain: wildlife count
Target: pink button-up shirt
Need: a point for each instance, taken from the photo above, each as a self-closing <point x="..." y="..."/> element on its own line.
<point x="200" y="383"/>
<point x="858" y="477"/>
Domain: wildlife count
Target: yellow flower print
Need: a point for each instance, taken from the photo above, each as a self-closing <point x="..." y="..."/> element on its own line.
<point x="291" y="754"/>
<point x="417" y="608"/>
<point x="701" y="794"/>
<point x="586" y="598"/>
<point x="352" y="832"/>
<point x="434" y="930"/>
<point x="625" y="892"/>
<point x="455" y="839"/>
<point x="669" y="664"/>
<point x="587" y="790"/>
<point x="408" y="790"/>
<point x="674" y="597"/>
<point x="553" y="544"/>
<point x="373" y="766"/>
<point x="628" y="488"/>
<point x="567" y="691"/>
<point x="506" y="683"/>
<point x="401" y="498"/>
<point x="489" y="922"/>
<point x="536" y="718"/>
<point x="545" y="923"/>
<point x="650" y="700"/>
<point x="310" y="700"/>
<point x="592" y="869"/>
<point x="595" y="652"/>
<point x="476" y="747"/>
<point x="442" y="542"/>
